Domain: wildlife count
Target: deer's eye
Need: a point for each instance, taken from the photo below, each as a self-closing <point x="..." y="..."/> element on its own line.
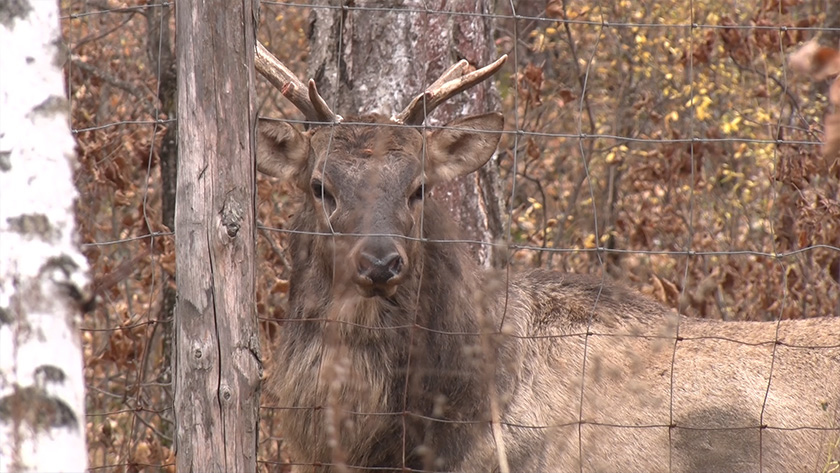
<point x="417" y="196"/>
<point x="322" y="194"/>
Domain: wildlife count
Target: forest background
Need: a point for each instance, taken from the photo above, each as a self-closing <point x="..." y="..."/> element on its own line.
<point x="664" y="144"/>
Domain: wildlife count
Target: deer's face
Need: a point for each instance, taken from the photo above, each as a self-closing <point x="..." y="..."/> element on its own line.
<point x="367" y="184"/>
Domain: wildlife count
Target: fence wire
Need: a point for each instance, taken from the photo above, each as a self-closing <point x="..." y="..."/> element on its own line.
<point x="665" y="145"/>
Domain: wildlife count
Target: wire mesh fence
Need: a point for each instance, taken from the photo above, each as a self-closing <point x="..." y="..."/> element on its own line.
<point x="666" y="145"/>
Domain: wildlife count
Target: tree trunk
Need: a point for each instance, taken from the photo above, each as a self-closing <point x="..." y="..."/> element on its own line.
<point x="377" y="61"/>
<point x="217" y="366"/>
<point x="42" y="271"/>
<point x="162" y="61"/>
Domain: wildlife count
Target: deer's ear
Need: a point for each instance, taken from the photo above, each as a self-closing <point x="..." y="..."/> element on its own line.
<point x="282" y="151"/>
<point x="462" y="147"/>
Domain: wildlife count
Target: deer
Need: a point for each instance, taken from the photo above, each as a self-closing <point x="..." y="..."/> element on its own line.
<point x="399" y="353"/>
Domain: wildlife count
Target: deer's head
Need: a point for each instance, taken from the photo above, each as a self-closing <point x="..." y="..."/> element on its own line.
<point x="367" y="178"/>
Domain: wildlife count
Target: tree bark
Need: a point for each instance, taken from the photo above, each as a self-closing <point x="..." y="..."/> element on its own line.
<point x="376" y="61"/>
<point x="42" y="272"/>
<point x="162" y="61"/>
<point x="217" y="366"/>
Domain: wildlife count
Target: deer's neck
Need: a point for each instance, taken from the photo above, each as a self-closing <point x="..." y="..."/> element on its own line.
<point x="380" y="354"/>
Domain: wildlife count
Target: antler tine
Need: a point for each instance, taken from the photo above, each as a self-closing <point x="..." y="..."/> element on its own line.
<point x="456" y="70"/>
<point x="416" y="106"/>
<point x="451" y="82"/>
<point x="320" y="105"/>
<point x="308" y="101"/>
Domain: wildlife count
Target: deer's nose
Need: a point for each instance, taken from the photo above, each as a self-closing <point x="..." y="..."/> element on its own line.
<point x="379" y="270"/>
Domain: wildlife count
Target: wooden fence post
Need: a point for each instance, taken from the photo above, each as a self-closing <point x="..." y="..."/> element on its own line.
<point x="217" y="367"/>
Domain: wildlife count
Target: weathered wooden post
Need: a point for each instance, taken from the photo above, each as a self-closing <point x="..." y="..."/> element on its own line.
<point x="217" y="368"/>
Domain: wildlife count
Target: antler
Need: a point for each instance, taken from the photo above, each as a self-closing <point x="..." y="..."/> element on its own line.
<point x="312" y="105"/>
<point x="451" y="82"/>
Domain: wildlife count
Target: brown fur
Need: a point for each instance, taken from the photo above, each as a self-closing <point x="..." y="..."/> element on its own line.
<point x="582" y="375"/>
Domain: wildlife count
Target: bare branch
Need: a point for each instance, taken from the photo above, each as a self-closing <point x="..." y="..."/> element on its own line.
<point x="99" y="35"/>
<point x="121" y="84"/>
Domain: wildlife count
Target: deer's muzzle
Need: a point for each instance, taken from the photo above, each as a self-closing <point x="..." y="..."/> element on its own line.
<point x="380" y="265"/>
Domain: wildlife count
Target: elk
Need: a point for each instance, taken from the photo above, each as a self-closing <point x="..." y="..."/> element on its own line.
<point x="399" y="354"/>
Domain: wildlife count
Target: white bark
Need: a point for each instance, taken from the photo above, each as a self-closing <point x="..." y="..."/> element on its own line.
<point x="42" y="272"/>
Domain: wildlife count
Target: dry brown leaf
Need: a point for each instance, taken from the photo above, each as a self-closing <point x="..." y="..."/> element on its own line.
<point x="142" y="452"/>
<point x="822" y="63"/>
<point x="663" y="290"/>
<point x="554" y="9"/>
<point x="834" y="93"/>
<point x="816" y="61"/>
<point x="827" y="61"/>
<point x="831" y="149"/>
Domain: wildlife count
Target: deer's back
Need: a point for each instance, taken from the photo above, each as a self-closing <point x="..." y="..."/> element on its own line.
<point x="611" y="378"/>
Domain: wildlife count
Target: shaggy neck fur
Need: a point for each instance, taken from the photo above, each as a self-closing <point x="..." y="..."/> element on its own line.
<point x="366" y="356"/>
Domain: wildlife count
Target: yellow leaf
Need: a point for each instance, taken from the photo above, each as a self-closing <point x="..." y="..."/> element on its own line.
<point x="732" y="125"/>
<point x="539" y="43"/>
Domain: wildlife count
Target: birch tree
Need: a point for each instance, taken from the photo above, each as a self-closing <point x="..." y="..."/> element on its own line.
<point x="42" y="272"/>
